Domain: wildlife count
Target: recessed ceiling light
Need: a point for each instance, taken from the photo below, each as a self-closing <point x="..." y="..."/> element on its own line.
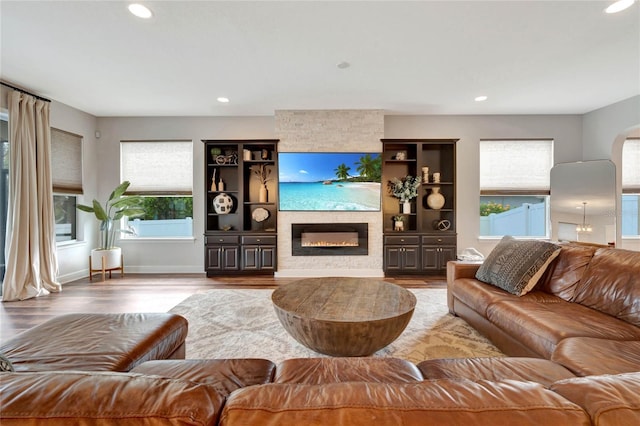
<point x="223" y="100"/>
<point x="480" y="98"/>
<point x="619" y="6"/>
<point x="140" y="11"/>
<point x="342" y="65"/>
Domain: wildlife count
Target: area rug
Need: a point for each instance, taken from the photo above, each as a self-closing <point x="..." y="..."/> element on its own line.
<point x="243" y="324"/>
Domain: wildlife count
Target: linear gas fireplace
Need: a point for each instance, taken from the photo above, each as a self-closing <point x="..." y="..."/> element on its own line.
<point x="329" y="239"/>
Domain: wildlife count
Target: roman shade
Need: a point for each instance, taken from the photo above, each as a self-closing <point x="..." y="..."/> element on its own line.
<point x="66" y="162"/>
<point x="515" y="166"/>
<point x="157" y="167"/>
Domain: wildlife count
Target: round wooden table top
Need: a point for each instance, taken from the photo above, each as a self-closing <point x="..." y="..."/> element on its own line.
<point x="344" y="299"/>
<point x="343" y="316"/>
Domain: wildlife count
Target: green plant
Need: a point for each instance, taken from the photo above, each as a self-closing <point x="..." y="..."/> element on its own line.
<point x="115" y="208"/>
<point x="398" y="218"/>
<point x="488" y="208"/>
<point x="406" y="188"/>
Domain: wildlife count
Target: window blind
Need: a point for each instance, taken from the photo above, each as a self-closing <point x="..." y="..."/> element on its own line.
<point x="515" y="166"/>
<point x="66" y="162"/>
<point x="631" y="166"/>
<point x="157" y="167"/>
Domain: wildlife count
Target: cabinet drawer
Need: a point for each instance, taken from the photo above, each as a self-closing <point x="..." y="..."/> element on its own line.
<point x="434" y="240"/>
<point x="398" y="240"/>
<point x="222" y="239"/>
<point x="259" y="239"/>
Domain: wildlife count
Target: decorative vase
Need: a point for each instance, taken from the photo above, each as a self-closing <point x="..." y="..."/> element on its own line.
<point x="398" y="225"/>
<point x="406" y="207"/>
<point x="223" y="204"/>
<point x="435" y="200"/>
<point x="264" y="194"/>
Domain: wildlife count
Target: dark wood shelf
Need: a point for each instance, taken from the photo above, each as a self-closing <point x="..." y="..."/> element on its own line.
<point x="419" y="253"/>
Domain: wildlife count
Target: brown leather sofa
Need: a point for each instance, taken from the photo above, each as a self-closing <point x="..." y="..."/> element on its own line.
<point x="584" y="313"/>
<point x="323" y="391"/>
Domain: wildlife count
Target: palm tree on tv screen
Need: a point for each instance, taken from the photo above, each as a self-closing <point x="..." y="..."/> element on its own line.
<point x="369" y="167"/>
<point x="342" y="171"/>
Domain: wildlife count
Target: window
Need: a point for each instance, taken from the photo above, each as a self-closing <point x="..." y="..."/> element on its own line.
<point x="514" y="187"/>
<point x="162" y="172"/>
<point x="631" y="188"/>
<point x="66" y="176"/>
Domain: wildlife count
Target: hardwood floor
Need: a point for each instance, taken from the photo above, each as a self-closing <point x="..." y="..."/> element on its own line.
<point x="141" y="293"/>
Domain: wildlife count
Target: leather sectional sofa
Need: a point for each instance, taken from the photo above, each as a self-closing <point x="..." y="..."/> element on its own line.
<point x="576" y="376"/>
<point x="584" y="314"/>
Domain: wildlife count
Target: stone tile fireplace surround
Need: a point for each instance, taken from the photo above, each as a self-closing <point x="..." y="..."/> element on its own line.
<point x="329" y="131"/>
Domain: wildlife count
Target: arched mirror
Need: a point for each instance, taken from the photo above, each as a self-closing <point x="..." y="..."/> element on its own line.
<point x="583" y="202"/>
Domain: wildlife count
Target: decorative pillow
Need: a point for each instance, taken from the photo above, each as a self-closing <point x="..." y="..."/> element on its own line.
<point x="517" y="265"/>
<point x="5" y="364"/>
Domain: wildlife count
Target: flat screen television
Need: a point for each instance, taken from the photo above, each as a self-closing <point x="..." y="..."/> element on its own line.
<point x="329" y="181"/>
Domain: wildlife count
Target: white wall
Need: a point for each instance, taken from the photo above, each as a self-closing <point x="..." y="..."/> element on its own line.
<point x="167" y="256"/>
<point x="565" y="130"/>
<point x="605" y="130"/>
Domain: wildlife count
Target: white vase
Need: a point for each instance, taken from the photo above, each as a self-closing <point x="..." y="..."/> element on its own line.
<point x="435" y="200"/>
<point x="406" y="207"/>
<point x="112" y="258"/>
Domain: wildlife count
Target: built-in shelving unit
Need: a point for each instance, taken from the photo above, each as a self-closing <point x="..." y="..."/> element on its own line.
<point x="241" y="237"/>
<point x="428" y="239"/>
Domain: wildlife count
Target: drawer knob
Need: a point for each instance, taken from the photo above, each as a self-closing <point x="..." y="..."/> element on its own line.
<point x="221" y="239"/>
<point x="258" y="239"/>
<point x="402" y="239"/>
<point x="439" y="240"/>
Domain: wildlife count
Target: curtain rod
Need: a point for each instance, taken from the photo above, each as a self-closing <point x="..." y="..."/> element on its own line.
<point x="24" y="91"/>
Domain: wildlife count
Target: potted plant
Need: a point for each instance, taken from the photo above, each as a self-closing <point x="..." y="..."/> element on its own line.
<point x="405" y="189"/>
<point x="109" y="214"/>
<point x="398" y="222"/>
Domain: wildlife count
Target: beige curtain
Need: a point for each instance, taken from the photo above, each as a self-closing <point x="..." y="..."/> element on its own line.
<point x="31" y="262"/>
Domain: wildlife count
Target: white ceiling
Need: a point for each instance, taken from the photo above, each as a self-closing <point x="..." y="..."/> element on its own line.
<point x="420" y="57"/>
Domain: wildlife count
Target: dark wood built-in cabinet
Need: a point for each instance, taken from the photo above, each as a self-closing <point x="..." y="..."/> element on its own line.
<point x="428" y="240"/>
<point x="239" y="239"/>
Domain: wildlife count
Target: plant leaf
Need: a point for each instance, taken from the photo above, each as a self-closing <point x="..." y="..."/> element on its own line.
<point x="85" y="208"/>
<point x="99" y="211"/>
<point x="120" y="190"/>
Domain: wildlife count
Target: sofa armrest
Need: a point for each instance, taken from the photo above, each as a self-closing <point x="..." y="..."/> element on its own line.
<point x="457" y="269"/>
<point x="105" y="398"/>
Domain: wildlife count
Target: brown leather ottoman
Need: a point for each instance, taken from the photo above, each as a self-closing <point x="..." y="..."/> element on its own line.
<point x="525" y="369"/>
<point x="97" y="342"/>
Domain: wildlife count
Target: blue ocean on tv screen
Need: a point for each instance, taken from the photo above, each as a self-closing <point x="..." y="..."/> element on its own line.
<point x="310" y="181"/>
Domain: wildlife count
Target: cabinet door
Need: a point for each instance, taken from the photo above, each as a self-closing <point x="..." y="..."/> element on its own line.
<point x="411" y="258"/>
<point x="393" y="258"/>
<point x="214" y="258"/>
<point x="447" y="254"/>
<point x="267" y="257"/>
<point x="430" y="258"/>
<point x="250" y="258"/>
<point x="230" y="258"/>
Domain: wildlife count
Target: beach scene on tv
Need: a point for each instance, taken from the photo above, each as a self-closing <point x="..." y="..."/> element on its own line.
<point x="329" y="181"/>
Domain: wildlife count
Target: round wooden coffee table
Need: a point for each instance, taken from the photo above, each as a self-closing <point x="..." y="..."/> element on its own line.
<point x="343" y="316"/>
